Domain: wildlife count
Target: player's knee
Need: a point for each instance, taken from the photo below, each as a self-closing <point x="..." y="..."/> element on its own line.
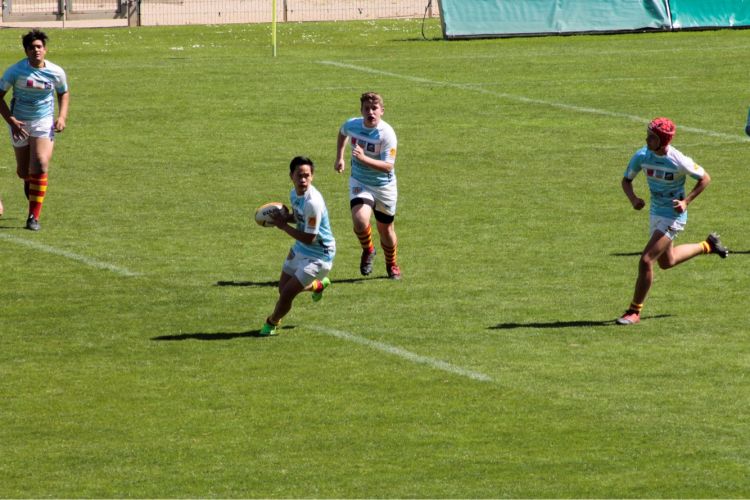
<point x="40" y="165"/>
<point x="666" y="261"/>
<point x="646" y="263"/>
<point x="288" y="294"/>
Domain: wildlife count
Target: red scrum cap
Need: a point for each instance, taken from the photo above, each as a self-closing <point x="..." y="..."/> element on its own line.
<point x="664" y="128"/>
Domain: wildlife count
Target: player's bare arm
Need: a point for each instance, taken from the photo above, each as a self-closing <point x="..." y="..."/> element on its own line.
<point x="635" y="201"/>
<point x="340" y="164"/>
<point x="359" y="153"/>
<point x="282" y="219"/>
<point x="16" y="125"/>
<point x="301" y="236"/>
<point x="681" y="205"/>
<point x="62" y="115"/>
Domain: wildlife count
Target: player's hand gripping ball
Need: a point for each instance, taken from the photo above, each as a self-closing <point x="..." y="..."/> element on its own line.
<point x="265" y="213"/>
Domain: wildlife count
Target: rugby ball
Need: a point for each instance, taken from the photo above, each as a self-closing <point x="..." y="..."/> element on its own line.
<point x="264" y="213"/>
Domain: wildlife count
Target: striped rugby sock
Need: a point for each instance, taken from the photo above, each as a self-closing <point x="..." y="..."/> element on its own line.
<point x="37" y="192"/>
<point x="365" y="238"/>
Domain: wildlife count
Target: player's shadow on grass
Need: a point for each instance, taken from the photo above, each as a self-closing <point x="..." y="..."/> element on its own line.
<point x="215" y="336"/>
<point x="8" y="223"/>
<point x="565" y="324"/>
<point x="276" y="283"/>
<point x="334" y="282"/>
<point x="248" y="283"/>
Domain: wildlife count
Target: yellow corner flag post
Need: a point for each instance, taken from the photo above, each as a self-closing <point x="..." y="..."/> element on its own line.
<point x="273" y="27"/>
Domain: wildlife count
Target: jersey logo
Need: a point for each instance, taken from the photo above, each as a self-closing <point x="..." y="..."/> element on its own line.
<point x="33" y="84"/>
<point x="370" y="147"/>
<point x="392" y="152"/>
<point x="311" y="221"/>
<point x="660" y="174"/>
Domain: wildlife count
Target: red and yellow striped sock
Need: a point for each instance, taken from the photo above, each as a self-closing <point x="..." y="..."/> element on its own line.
<point x="390" y="254"/>
<point x="365" y="238"/>
<point x="705" y="246"/>
<point x="37" y="192"/>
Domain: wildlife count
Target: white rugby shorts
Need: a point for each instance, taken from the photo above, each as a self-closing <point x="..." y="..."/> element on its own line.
<point x="666" y="225"/>
<point x="384" y="197"/>
<point x="305" y="269"/>
<point x="43" y="127"/>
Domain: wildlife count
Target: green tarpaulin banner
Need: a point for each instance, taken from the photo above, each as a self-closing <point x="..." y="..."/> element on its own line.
<point x="709" y="13"/>
<point x="487" y="18"/>
<point x="481" y="18"/>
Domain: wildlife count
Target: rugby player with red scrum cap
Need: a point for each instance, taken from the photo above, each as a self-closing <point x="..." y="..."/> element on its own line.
<point x="666" y="171"/>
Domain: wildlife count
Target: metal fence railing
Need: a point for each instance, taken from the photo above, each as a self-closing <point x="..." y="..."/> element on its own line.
<point x="177" y="12"/>
<point x="249" y="11"/>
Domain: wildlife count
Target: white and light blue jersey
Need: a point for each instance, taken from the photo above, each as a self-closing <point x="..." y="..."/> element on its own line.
<point x="666" y="178"/>
<point x="378" y="143"/>
<point x="34" y="89"/>
<point x="311" y="215"/>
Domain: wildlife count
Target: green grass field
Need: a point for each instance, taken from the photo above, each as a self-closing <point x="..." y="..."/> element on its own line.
<point x="130" y="365"/>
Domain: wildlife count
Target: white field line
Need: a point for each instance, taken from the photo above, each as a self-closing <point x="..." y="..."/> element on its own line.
<point x="69" y="255"/>
<point x="407" y="355"/>
<point x="529" y="100"/>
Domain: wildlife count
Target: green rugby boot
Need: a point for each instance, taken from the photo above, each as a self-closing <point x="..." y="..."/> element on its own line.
<point x="316" y="296"/>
